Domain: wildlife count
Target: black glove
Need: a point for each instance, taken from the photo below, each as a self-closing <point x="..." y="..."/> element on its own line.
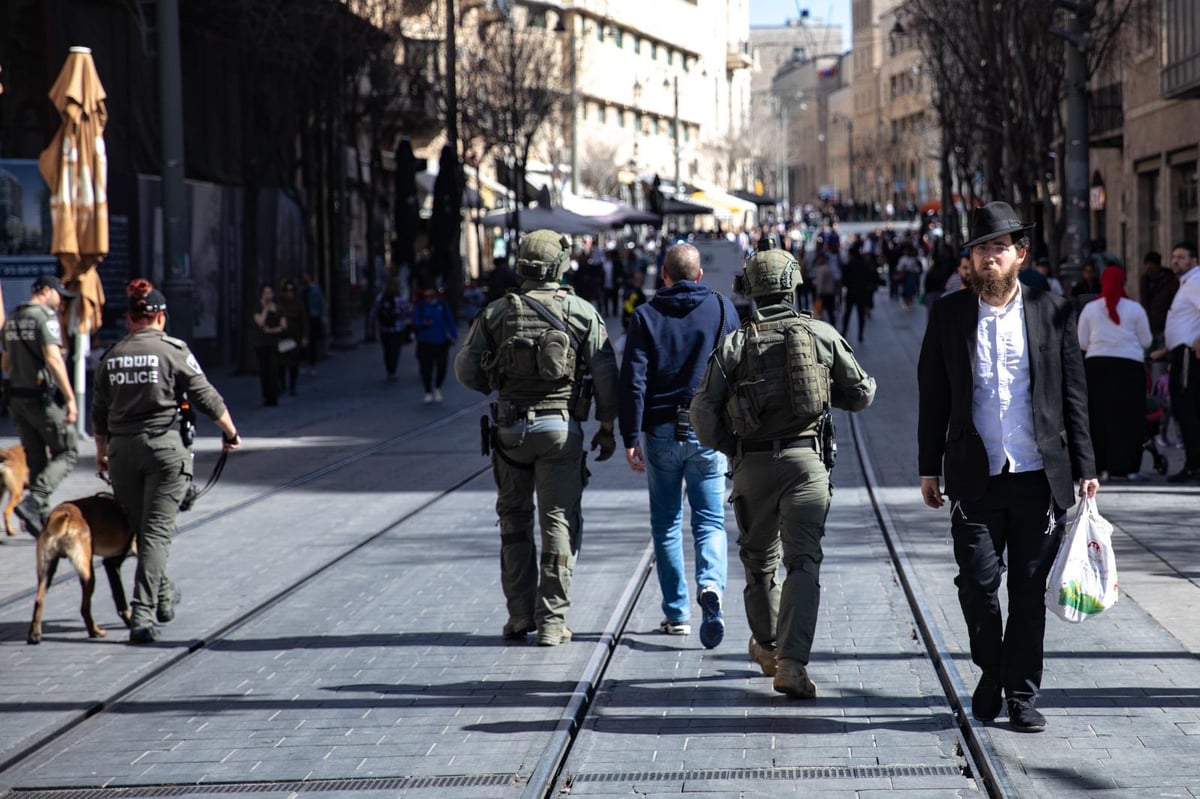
<point x="606" y="441"/>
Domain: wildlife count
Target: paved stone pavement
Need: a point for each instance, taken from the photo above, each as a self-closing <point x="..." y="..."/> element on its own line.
<point x="388" y="663"/>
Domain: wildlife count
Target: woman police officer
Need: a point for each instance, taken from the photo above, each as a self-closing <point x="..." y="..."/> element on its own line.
<point x="139" y="386"/>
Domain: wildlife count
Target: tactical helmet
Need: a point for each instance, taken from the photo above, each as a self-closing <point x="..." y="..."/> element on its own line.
<point x="543" y="255"/>
<point x="769" y="271"/>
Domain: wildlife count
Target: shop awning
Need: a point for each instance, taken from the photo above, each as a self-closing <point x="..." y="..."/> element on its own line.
<point x="751" y="197"/>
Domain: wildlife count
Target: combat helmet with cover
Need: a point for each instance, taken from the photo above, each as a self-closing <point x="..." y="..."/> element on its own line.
<point x="768" y="271"/>
<point x="543" y="256"/>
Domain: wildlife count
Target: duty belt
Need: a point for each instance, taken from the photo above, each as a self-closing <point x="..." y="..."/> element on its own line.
<point x="780" y="444"/>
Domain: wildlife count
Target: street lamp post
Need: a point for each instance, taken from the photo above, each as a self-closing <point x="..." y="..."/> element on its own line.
<point x="675" y="82"/>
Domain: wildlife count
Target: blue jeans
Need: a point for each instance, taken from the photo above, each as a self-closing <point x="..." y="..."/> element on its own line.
<point x="669" y="465"/>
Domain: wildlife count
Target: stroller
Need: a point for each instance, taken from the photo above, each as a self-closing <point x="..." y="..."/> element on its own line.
<point x="1158" y="407"/>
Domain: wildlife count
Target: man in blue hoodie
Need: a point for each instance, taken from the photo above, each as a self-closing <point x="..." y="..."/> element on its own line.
<point x="666" y="350"/>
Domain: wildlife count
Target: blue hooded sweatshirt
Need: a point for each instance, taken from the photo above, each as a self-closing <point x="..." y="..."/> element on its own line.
<point x="666" y="352"/>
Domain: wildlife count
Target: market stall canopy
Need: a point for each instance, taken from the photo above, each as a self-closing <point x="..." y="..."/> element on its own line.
<point x="723" y="204"/>
<point x="610" y="213"/>
<point x="539" y="217"/>
<point x="752" y="197"/>
<point x="75" y="167"/>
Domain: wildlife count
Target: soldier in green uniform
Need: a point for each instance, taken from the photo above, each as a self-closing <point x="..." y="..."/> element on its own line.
<point x="140" y="383"/>
<point x="765" y="401"/>
<point x="542" y="349"/>
<point x="40" y="397"/>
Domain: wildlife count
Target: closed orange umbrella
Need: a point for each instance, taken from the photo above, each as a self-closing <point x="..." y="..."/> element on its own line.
<point x="75" y="166"/>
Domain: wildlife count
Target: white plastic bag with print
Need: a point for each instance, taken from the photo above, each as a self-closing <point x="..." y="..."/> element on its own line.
<point x="1083" y="580"/>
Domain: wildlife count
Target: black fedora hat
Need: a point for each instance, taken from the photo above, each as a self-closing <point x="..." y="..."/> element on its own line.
<point x="993" y="221"/>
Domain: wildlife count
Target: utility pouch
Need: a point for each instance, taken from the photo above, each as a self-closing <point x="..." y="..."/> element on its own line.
<point x="743" y="407"/>
<point x="828" y="440"/>
<point x="187" y="424"/>
<point x="808" y="378"/>
<point x="555" y="356"/>
<point x="485" y="436"/>
<point x="683" y="423"/>
<point x="520" y="355"/>
<point x="581" y="398"/>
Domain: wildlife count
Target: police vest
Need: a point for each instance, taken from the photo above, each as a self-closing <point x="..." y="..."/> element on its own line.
<point x="780" y="376"/>
<point x="535" y="361"/>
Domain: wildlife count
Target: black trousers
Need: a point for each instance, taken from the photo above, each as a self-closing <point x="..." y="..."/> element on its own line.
<point x="393" y="342"/>
<point x="432" y="360"/>
<point x="1013" y="527"/>
<point x="268" y="373"/>
<point x="1116" y="412"/>
<point x="1185" y="401"/>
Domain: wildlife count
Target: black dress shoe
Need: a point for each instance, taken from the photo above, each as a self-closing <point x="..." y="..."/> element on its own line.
<point x="1024" y="716"/>
<point x="987" y="700"/>
<point x="1185" y="476"/>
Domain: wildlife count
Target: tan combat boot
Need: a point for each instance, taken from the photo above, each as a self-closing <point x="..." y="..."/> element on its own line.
<point x="764" y="657"/>
<point x="791" y="678"/>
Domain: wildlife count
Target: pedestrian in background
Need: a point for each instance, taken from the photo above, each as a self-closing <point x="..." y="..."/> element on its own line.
<point x="391" y="313"/>
<point x="861" y="279"/>
<point x="141" y="381"/>
<point x="537" y="347"/>
<point x="667" y="346"/>
<point x="40" y="397"/>
<point x="635" y="297"/>
<point x="1114" y="334"/>
<point x="436" y="330"/>
<point x="270" y="327"/>
<point x="314" y="303"/>
<point x="958" y="281"/>
<point x="293" y="343"/>
<point x="764" y="401"/>
<point x="1182" y="337"/>
<point x="1158" y="289"/>
<point x="1005" y="419"/>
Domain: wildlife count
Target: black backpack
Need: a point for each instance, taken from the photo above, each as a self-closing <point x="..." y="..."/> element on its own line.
<point x="388" y="315"/>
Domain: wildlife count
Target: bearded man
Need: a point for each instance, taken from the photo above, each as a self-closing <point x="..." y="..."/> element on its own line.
<point x="1003" y="414"/>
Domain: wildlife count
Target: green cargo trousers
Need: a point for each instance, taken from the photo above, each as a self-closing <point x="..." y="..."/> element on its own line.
<point x="150" y="474"/>
<point x="781" y="501"/>
<point x="49" y="442"/>
<point x="542" y="456"/>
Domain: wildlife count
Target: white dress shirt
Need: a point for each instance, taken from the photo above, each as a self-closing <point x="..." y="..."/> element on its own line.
<point x="1183" y="320"/>
<point x="1101" y="337"/>
<point x="1002" y="400"/>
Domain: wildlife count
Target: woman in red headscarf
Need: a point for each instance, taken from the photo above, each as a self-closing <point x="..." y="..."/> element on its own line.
<point x="1114" y="334"/>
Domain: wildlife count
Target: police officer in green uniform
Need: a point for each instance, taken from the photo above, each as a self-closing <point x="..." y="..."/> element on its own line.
<point x="40" y="397"/>
<point x="542" y="349"/>
<point x="140" y="384"/>
<point x="765" y="401"/>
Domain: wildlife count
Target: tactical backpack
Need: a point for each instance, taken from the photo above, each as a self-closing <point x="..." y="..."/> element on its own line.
<point x="535" y="362"/>
<point x="780" y="373"/>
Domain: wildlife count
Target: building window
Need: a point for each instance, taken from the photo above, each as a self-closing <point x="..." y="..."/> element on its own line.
<point x="670" y="56"/>
<point x="653" y="51"/>
<point x="1148" y="211"/>
<point x="618" y="37"/>
<point x="654" y="126"/>
<point x="601" y="113"/>
<point x="537" y="18"/>
<point x="1187" y="204"/>
<point x="599" y="32"/>
<point x="637" y="45"/>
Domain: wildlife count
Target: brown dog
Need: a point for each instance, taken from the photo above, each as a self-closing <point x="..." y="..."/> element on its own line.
<point x="14" y="472"/>
<point x="79" y="530"/>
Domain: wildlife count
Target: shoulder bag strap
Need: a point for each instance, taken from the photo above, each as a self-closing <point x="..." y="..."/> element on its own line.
<point x="558" y="324"/>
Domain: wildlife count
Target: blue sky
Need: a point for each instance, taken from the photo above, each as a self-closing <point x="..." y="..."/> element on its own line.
<point x="775" y="12"/>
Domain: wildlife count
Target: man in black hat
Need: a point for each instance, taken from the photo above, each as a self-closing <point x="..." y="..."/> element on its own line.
<point x="40" y="397"/>
<point x="1003" y="414"/>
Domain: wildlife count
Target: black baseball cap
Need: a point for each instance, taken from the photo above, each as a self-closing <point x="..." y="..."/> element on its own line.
<point x="51" y="282"/>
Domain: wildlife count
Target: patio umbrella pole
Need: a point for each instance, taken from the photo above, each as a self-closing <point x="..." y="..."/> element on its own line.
<point x="83" y="347"/>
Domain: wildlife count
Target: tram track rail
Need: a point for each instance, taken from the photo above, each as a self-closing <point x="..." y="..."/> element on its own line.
<point x="27" y="594"/>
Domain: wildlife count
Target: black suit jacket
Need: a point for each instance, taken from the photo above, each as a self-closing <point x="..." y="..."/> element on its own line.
<point x="945" y="379"/>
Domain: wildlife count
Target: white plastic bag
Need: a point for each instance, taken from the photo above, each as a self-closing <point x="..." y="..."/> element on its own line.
<point x="1083" y="580"/>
